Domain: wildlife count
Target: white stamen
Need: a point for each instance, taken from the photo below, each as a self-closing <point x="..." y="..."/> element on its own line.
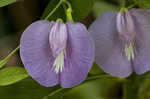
<point x="129" y="50"/>
<point x="59" y="61"/>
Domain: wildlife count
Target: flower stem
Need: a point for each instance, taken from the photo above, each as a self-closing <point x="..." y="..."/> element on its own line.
<point x="69" y="15"/>
<point x="14" y="51"/>
<point x="124" y="88"/>
<point x="68" y="11"/>
<point x="57" y="6"/>
<point x="68" y="4"/>
<point x="53" y="93"/>
<point x="106" y="76"/>
<point x="5" y="60"/>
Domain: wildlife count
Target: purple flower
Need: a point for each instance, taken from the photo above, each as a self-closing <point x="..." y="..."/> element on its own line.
<point x="122" y="42"/>
<point x="56" y="53"/>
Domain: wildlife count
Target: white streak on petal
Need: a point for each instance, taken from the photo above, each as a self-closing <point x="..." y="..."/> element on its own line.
<point x="59" y="62"/>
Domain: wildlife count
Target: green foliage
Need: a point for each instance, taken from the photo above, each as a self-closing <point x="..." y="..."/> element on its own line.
<point x="59" y="13"/>
<point x="144" y="4"/>
<point x="81" y="9"/>
<point x="101" y="6"/>
<point x="56" y="94"/>
<point x="7" y="2"/>
<point x="12" y="75"/>
<point x="137" y="87"/>
<point x="91" y="89"/>
<point x="95" y="70"/>
<point x="95" y="89"/>
<point x="144" y="87"/>
<point x="131" y="87"/>
<point x="26" y="89"/>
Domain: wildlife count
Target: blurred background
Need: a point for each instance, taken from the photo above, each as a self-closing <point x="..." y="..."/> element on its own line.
<point x="16" y="17"/>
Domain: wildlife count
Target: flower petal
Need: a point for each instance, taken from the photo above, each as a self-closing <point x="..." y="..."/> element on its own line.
<point x="125" y="27"/>
<point x="36" y="54"/>
<point x="109" y="48"/>
<point x="58" y="38"/>
<point x="142" y="43"/>
<point x="80" y="55"/>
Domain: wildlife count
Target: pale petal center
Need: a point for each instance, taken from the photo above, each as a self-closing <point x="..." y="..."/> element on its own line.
<point x="59" y="61"/>
<point x="126" y="27"/>
<point x="58" y="42"/>
<point x="129" y="51"/>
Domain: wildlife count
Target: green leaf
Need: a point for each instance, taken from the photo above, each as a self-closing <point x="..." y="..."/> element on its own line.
<point x="102" y="6"/>
<point x="144" y="86"/>
<point x="131" y="87"/>
<point x="137" y="87"/>
<point x="95" y="89"/>
<point x="95" y="70"/>
<point x="92" y="81"/>
<point x="26" y="89"/>
<point x="30" y="89"/>
<point x="81" y="9"/>
<point x="7" y="2"/>
<point x="12" y="75"/>
<point x="56" y="94"/>
<point x="144" y="4"/>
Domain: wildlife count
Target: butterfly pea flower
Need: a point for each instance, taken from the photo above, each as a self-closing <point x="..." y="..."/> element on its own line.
<point x="57" y="53"/>
<point x="122" y="41"/>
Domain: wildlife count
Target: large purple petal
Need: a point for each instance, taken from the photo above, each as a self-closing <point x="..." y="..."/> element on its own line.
<point x="142" y="42"/>
<point x="36" y="54"/>
<point x="110" y="55"/>
<point x="80" y="55"/>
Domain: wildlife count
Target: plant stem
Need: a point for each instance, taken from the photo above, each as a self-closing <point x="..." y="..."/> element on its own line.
<point x="5" y="60"/>
<point x="53" y="93"/>
<point x="57" y="6"/>
<point x="68" y="4"/>
<point x="68" y="11"/>
<point x="106" y="76"/>
<point x="69" y="15"/>
<point x="15" y="50"/>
